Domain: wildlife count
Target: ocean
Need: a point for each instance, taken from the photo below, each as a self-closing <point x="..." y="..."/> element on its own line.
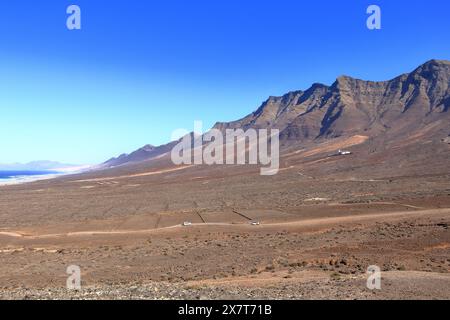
<point x="13" y="176"/>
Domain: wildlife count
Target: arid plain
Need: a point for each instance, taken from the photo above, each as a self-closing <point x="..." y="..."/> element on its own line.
<point x="317" y="225"/>
<point x="318" y="233"/>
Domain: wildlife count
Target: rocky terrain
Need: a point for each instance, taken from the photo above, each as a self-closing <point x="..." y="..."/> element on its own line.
<point x="318" y="258"/>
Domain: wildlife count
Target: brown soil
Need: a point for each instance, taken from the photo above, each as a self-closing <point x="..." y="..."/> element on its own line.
<point x="318" y="234"/>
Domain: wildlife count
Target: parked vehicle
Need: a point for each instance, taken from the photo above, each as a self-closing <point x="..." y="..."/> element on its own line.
<point x="344" y="153"/>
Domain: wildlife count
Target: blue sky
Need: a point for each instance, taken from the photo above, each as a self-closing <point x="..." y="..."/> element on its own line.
<point x="140" y="69"/>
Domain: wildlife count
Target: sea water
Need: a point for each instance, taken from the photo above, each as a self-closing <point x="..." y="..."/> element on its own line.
<point x="22" y="176"/>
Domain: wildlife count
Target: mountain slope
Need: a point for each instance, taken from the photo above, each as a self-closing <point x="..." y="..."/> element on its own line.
<point x="352" y="106"/>
<point x="145" y="153"/>
<point x="415" y="103"/>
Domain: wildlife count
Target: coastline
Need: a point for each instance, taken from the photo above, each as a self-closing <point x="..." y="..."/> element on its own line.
<point x="28" y="179"/>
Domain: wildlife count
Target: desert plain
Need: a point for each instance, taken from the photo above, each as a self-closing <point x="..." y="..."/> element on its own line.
<point x="318" y="232"/>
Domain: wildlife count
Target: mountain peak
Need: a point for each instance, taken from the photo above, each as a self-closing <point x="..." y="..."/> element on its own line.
<point x="318" y="85"/>
<point x="344" y="78"/>
<point x="432" y="68"/>
<point x="148" y="148"/>
<point x="345" y="82"/>
<point x="437" y="62"/>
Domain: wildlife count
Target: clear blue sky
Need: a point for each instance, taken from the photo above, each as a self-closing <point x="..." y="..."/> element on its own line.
<point x="140" y="69"/>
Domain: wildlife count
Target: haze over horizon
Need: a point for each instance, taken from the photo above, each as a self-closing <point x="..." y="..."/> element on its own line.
<point x="85" y="96"/>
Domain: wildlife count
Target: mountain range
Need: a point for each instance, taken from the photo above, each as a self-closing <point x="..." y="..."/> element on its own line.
<point x="412" y="104"/>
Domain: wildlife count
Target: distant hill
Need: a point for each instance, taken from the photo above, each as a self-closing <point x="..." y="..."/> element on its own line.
<point x="36" y="166"/>
<point x="145" y="153"/>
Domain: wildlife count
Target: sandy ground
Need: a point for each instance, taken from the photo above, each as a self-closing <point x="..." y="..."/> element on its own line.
<point x="310" y="258"/>
<point x="323" y="221"/>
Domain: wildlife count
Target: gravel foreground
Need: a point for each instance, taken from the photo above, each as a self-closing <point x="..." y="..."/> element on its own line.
<point x="396" y="285"/>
